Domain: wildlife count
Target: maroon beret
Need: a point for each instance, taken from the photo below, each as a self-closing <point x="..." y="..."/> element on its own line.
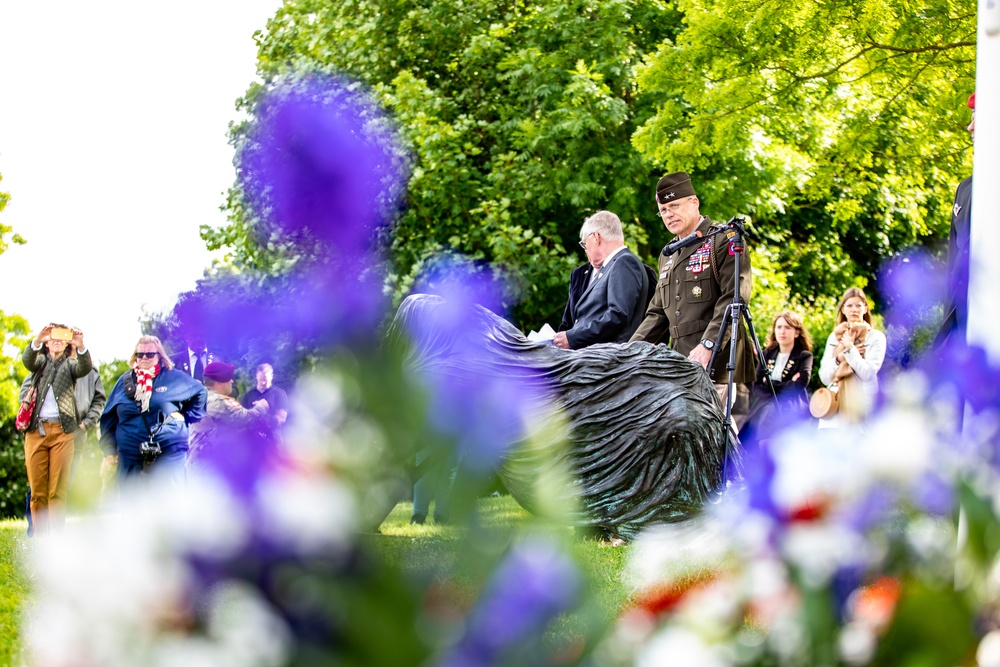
<point x="219" y="371"/>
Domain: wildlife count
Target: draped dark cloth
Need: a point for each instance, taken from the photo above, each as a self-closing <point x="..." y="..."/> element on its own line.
<point x="645" y="442"/>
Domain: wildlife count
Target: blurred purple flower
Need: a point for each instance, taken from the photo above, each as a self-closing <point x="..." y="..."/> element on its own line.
<point x="321" y="159"/>
<point x="872" y="508"/>
<point x="534" y="583"/>
<point x="933" y="494"/>
<point x="306" y="308"/>
<point x="239" y="457"/>
<point x="478" y="401"/>
<point x="913" y="287"/>
<point x="759" y="469"/>
<point x="968" y="370"/>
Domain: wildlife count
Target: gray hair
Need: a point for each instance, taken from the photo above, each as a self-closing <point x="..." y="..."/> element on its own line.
<point x="605" y="223"/>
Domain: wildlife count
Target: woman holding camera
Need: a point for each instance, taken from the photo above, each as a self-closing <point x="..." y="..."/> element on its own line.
<point x="48" y="440"/>
<point x="144" y="428"/>
<point x="854" y="354"/>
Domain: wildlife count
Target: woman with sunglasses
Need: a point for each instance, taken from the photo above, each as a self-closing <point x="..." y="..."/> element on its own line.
<point x="144" y="428"/>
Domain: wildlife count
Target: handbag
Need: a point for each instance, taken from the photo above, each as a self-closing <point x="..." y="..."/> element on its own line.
<point x="25" y="411"/>
<point x="23" y="419"/>
<point x="824" y="402"/>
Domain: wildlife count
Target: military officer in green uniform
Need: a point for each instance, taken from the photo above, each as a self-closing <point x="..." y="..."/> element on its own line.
<point x="696" y="287"/>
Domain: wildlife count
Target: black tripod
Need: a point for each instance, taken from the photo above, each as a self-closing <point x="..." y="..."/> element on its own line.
<point x="736" y="311"/>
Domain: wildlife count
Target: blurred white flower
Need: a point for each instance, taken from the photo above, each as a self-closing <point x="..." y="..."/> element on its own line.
<point x="816" y="464"/>
<point x="309" y="514"/>
<point x="899" y="444"/>
<point x="679" y="646"/>
<point x="665" y="552"/>
<point x="819" y="549"/>
<point x="856" y="643"/>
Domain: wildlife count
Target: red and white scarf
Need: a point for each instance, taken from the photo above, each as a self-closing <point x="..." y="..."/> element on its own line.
<point x="144" y="385"/>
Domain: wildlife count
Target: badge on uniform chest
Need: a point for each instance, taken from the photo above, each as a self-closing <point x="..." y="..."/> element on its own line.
<point x="700" y="258"/>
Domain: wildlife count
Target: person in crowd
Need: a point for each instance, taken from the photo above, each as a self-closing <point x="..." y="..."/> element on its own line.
<point x="144" y="427"/>
<point x="194" y="358"/>
<point x="956" y="308"/>
<point x="266" y="389"/>
<point x="223" y="414"/>
<point x="780" y="393"/>
<point x="852" y="359"/>
<point x="695" y="288"/>
<point x="90" y="402"/>
<point x="48" y="441"/>
<point x="433" y="485"/>
<point x="612" y="295"/>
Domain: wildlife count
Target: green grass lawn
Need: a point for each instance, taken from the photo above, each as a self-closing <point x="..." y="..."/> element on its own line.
<point x="451" y="559"/>
<point x="463" y="559"/>
<point x="13" y="589"/>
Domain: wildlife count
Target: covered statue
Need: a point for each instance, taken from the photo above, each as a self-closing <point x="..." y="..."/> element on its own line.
<point x="645" y="438"/>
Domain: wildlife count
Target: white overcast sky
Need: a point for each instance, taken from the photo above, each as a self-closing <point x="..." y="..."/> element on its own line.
<point x="113" y="147"/>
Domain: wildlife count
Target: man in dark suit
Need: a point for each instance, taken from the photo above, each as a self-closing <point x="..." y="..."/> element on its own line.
<point x="956" y="309"/>
<point x="194" y="357"/>
<point x="607" y="296"/>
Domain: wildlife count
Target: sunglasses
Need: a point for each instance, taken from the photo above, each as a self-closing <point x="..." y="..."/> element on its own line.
<point x="145" y="355"/>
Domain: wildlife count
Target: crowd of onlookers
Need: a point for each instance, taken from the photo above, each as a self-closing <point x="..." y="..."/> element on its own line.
<point x="164" y="416"/>
<point x="165" y="413"/>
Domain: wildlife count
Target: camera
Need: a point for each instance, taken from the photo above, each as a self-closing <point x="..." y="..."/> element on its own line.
<point x="149" y="450"/>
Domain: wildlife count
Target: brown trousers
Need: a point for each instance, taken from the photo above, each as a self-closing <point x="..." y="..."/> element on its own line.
<point x="48" y="458"/>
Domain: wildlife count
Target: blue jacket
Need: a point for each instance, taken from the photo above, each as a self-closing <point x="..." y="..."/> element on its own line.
<point x="123" y="427"/>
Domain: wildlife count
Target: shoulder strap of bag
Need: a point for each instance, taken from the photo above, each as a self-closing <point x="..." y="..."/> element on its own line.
<point x="128" y="383"/>
<point x="40" y="372"/>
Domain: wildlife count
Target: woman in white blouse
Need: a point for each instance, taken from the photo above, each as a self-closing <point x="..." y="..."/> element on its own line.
<point x="852" y="359"/>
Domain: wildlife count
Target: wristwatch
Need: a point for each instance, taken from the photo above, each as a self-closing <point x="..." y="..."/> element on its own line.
<point x="707" y="344"/>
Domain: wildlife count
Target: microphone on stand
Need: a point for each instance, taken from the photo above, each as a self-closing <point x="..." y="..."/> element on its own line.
<point x="674" y="246"/>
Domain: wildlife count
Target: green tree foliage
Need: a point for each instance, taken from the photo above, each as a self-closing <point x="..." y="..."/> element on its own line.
<point x="518" y="117"/>
<point x="14" y="335"/>
<point x="838" y="126"/>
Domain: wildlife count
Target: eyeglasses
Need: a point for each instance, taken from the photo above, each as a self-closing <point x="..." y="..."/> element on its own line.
<point x="145" y="355"/>
<point x="583" y="241"/>
<point x="675" y="206"/>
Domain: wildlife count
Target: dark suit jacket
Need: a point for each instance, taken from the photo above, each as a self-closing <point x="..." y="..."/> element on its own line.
<point x="578" y="281"/>
<point x="956" y="308"/>
<point x="609" y="308"/>
<point x="182" y="363"/>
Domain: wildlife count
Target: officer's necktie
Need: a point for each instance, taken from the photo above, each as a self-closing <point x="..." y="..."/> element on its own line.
<point x="199" y="368"/>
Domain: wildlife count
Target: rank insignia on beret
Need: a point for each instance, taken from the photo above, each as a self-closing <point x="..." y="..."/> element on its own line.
<point x="696" y="291"/>
<point x="160" y="389"/>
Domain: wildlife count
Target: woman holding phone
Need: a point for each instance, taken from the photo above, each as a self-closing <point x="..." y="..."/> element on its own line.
<point x="48" y="441"/>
